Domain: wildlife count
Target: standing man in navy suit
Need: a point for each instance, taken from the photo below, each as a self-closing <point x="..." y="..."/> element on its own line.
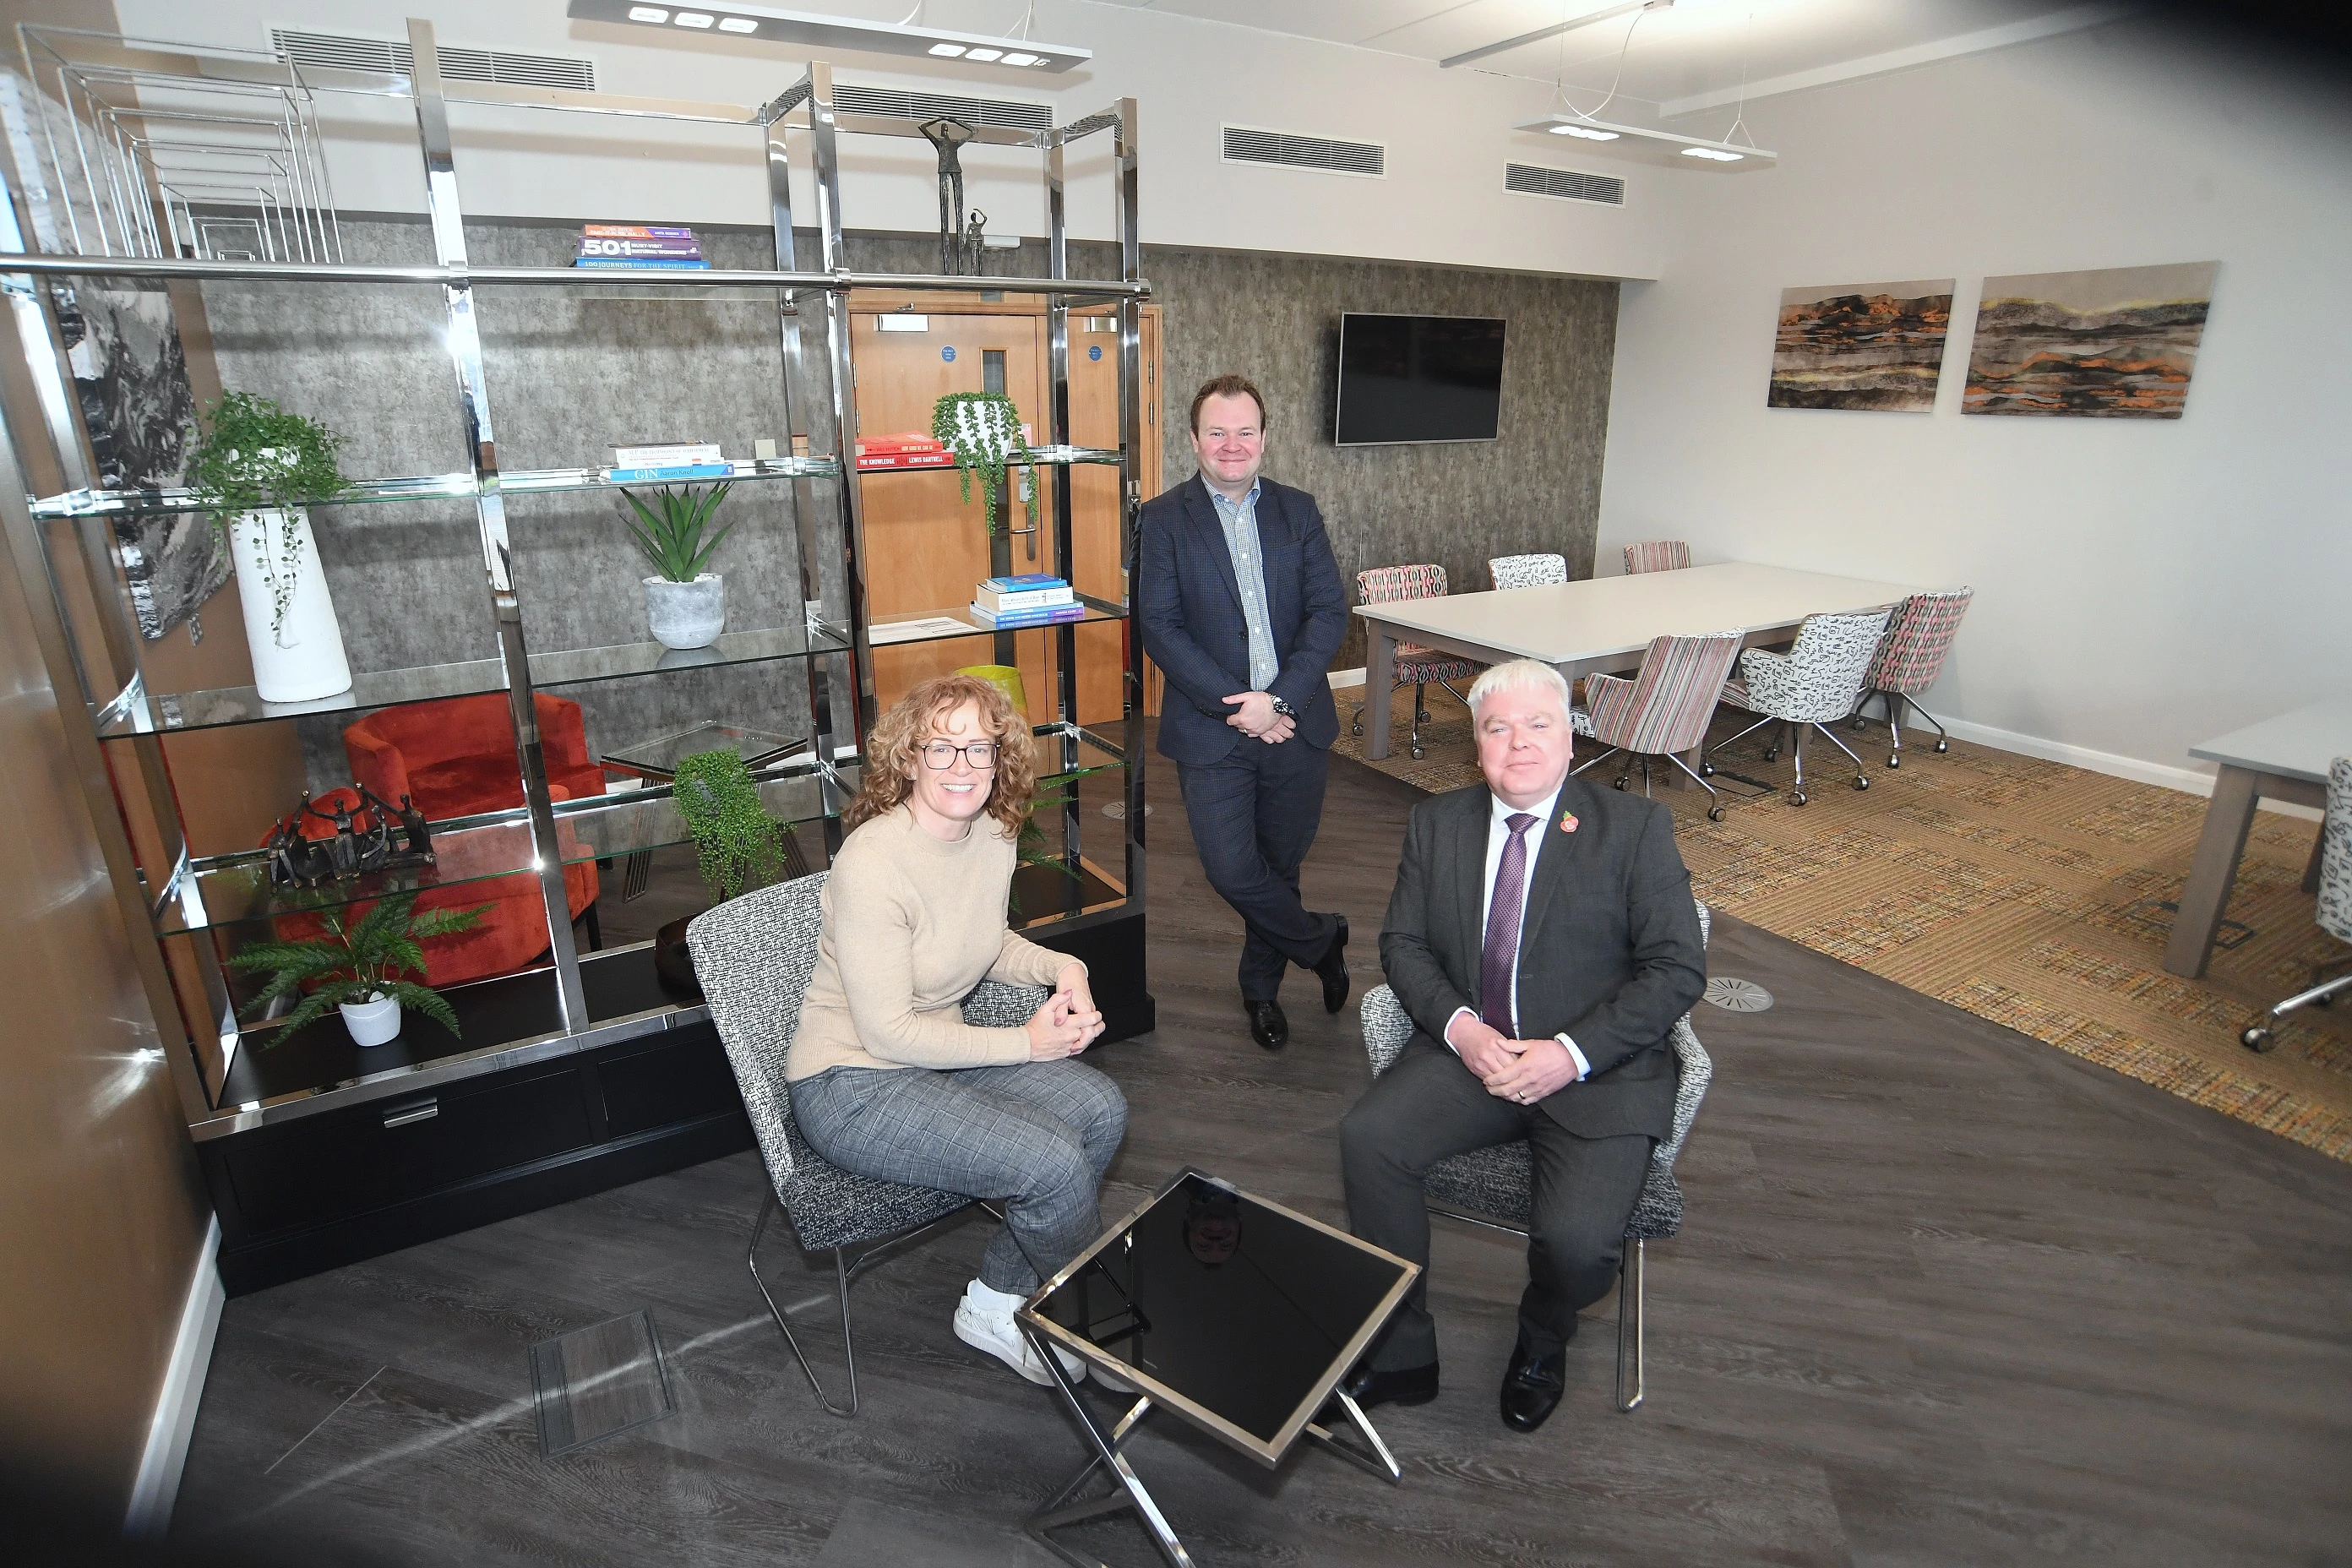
<point x="1242" y="608"/>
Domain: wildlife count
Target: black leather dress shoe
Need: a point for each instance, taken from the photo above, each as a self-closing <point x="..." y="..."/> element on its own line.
<point x="1268" y="1028"/>
<point x="1406" y="1385"/>
<point x="1333" y="967"/>
<point x="1531" y="1388"/>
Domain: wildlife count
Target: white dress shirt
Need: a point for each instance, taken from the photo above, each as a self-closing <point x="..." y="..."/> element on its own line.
<point x="1498" y="834"/>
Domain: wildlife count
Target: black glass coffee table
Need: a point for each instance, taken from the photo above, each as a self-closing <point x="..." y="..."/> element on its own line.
<point x="1233" y="1313"/>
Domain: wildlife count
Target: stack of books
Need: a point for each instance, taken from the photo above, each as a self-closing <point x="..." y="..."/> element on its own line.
<point x="628" y="246"/>
<point x="907" y="449"/>
<point x="1003" y="604"/>
<point x="658" y="462"/>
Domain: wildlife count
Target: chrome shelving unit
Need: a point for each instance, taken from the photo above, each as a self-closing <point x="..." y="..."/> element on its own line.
<point x="68" y="535"/>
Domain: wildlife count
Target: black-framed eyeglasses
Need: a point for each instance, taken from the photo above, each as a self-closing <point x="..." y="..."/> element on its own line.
<point x="940" y="755"/>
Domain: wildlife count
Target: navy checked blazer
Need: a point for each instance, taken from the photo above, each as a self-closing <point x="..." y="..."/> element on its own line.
<point x="1190" y="607"/>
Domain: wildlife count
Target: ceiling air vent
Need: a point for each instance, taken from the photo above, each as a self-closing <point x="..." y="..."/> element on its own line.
<point x="936" y="106"/>
<point x="1567" y="184"/>
<point x="336" y="51"/>
<point x="1246" y="144"/>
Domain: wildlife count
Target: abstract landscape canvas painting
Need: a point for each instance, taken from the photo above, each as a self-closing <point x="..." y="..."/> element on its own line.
<point x="1867" y="345"/>
<point x="2115" y="343"/>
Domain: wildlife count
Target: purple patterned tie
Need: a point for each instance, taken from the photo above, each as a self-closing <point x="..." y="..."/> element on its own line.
<point x="1503" y="929"/>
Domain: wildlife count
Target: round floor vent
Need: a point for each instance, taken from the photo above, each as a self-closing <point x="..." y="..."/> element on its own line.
<point x="1734" y="995"/>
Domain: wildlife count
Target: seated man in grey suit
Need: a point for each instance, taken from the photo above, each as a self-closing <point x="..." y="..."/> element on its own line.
<point x="1542" y="937"/>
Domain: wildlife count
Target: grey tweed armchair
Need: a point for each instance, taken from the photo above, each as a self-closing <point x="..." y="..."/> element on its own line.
<point x="753" y="956"/>
<point x="1494" y="1187"/>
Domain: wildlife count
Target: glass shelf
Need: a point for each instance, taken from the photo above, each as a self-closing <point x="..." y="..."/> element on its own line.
<point x="165" y="712"/>
<point x="1041" y="456"/>
<point x="903" y="630"/>
<point x="437" y="487"/>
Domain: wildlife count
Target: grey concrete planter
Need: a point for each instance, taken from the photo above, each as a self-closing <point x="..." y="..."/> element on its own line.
<point x="687" y="614"/>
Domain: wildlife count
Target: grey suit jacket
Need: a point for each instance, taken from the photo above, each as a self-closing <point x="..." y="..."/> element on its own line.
<point x="1610" y="947"/>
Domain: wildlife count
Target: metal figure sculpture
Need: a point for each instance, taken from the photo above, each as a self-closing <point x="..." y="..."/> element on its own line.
<point x="949" y="136"/>
<point x="975" y="241"/>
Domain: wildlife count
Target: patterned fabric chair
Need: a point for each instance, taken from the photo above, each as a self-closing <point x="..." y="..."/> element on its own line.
<point x="1812" y="687"/>
<point x="1494" y="1187"/>
<point x="1416" y="665"/>
<point x="1664" y="709"/>
<point x="1909" y="659"/>
<point x="1527" y="571"/>
<point x="1656" y="555"/>
<point x="2335" y="912"/>
<point x="755" y="955"/>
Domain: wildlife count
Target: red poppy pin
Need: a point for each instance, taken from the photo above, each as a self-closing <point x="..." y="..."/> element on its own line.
<point x="1568" y="822"/>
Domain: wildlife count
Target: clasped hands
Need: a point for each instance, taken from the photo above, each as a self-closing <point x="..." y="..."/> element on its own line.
<point x="1069" y="1021"/>
<point x="1520" y="1070"/>
<point x="1256" y="716"/>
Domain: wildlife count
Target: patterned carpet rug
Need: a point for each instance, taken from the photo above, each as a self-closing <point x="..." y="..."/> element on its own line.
<point x="2025" y="892"/>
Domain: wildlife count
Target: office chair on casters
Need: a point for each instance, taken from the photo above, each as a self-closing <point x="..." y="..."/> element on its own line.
<point x="755" y="955"/>
<point x="1812" y="687"/>
<point x="1496" y="1187"/>
<point x="1656" y="555"/>
<point x="1664" y="709"/>
<point x="1415" y="664"/>
<point x="1909" y="659"/>
<point x="2335" y="913"/>
<point x="1527" y="571"/>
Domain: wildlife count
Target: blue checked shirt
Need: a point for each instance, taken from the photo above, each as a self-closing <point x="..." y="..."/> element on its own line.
<point x="1239" y="519"/>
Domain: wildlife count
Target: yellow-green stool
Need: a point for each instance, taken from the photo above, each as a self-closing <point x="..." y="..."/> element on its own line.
<point x="1006" y="678"/>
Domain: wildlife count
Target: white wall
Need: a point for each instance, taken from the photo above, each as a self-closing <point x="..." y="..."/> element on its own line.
<point x="1448" y="135"/>
<point x="2140" y="585"/>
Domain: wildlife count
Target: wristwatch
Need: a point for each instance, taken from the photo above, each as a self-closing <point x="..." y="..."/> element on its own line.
<point x="1283" y="707"/>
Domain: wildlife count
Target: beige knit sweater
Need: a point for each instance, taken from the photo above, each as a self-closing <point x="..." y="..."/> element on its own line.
<point x="911" y="924"/>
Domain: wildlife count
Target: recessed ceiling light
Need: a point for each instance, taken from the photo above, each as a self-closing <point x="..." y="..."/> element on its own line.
<point x="1017" y="58"/>
<point x="1586" y="133"/>
<point x="1712" y="155"/>
<point x="772" y="24"/>
<point x="694" y="19"/>
<point x="647" y="13"/>
<point x="982" y="54"/>
<point x="738" y="25"/>
<point x="947" y="51"/>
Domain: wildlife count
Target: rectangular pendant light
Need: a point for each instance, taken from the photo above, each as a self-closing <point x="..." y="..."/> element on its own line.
<point x="1661" y="148"/>
<point x="842" y="33"/>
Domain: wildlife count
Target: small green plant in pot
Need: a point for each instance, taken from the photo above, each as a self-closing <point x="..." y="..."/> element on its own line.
<point x="360" y="966"/>
<point x="256" y="467"/>
<point x="736" y="845"/>
<point x="685" y="605"/>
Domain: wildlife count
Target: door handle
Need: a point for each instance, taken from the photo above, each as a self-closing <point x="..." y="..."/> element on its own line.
<point x="408" y="1115"/>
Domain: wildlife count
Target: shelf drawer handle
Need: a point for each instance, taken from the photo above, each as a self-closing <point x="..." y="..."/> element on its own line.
<point x="402" y="1118"/>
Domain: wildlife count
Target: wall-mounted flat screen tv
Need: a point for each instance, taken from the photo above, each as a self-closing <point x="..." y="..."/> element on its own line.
<point x="1418" y="378"/>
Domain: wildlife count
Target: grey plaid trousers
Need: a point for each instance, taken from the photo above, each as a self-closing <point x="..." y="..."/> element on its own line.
<point x="1036" y="1135"/>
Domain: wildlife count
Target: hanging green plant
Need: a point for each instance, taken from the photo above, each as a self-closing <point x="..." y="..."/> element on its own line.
<point x="983" y="431"/>
<point x="736" y="845"/>
<point x="250" y="455"/>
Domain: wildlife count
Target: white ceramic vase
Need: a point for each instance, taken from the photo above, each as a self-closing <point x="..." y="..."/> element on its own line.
<point x="373" y="1022"/>
<point x="297" y="648"/>
<point x="687" y="614"/>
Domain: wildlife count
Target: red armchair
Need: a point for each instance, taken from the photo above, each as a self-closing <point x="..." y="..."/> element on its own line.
<point x="456" y="757"/>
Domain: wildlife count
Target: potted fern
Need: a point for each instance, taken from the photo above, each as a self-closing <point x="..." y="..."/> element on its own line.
<point x="254" y="467"/>
<point x="736" y="845"/>
<point x="358" y="967"/>
<point x="685" y="605"/>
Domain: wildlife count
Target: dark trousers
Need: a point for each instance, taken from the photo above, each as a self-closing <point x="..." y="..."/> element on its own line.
<point x="1429" y="1106"/>
<point x="1254" y="817"/>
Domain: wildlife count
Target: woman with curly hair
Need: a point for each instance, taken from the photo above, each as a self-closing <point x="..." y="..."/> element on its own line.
<point x="887" y="1080"/>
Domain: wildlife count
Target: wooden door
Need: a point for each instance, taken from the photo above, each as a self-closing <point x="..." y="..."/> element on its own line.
<point x="1095" y="510"/>
<point x="926" y="548"/>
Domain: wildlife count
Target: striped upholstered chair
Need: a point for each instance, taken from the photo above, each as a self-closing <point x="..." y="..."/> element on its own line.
<point x="1813" y="686"/>
<point x="1656" y="555"/>
<point x="1909" y="659"/>
<point x="1416" y="665"/>
<point x="1664" y="709"/>
<point x="1527" y="571"/>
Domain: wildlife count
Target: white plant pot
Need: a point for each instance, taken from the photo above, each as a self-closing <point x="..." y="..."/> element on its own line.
<point x="687" y="614"/>
<point x="300" y="657"/>
<point x="372" y="1023"/>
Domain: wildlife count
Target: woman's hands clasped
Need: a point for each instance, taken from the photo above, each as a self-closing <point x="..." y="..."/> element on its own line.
<point x="1068" y="1022"/>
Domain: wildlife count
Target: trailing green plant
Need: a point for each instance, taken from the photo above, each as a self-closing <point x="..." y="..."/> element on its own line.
<point x="981" y="431"/>
<point x="357" y="961"/>
<point x="670" y="532"/>
<point x="736" y="845"/>
<point x="1032" y="849"/>
<point x="248" y="455"/>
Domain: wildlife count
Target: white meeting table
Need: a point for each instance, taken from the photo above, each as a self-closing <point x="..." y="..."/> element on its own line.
<point x="1602" y="624"/>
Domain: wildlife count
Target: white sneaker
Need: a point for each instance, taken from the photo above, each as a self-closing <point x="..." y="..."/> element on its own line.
<point x="983" y="1320"/>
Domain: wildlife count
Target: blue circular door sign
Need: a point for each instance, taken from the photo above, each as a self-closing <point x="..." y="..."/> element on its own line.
<point x="1094" y="351"/>
<point x="948" y="353"/>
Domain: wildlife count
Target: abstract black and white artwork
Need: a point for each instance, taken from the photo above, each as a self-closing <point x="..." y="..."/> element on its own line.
<point x="130" y="373"/>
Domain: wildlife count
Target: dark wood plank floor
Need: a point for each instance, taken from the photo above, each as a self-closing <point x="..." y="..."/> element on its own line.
<point x="1945" y="1295"/>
